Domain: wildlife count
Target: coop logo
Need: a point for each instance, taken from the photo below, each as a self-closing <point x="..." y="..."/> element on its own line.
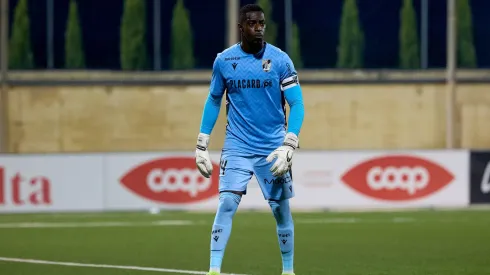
<point x="397" y="178"/>
<point x="20" y="189"/>
<point x="171" y="180"/>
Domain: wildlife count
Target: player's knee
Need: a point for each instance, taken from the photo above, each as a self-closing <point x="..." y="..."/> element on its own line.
<point x="240" y="193"/>
<point x="229" y="202"/>
<point x="281" y="211"/>
<point x="274" y="207"/>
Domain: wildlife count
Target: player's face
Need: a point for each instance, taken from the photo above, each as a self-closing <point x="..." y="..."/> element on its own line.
<point x="253" y="28"/>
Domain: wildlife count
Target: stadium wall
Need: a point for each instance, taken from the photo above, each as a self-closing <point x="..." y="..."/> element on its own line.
<point x="113" y="118"/>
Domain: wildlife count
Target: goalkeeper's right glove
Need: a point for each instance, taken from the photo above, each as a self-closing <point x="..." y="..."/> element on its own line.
<point x="284" y="155"/>
<point x="203" y="161"/>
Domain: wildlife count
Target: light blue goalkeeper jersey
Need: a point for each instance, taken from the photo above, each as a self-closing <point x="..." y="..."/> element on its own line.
<point x="254" y="87"/>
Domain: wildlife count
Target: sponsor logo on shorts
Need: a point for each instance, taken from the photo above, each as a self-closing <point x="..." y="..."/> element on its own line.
<point x="282" y="180"/>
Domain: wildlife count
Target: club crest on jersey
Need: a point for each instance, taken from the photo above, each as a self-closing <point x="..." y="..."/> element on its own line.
<point x="266" y="65"/>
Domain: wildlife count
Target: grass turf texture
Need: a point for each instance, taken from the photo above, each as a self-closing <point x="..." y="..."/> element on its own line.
<point x="398" y="243"/>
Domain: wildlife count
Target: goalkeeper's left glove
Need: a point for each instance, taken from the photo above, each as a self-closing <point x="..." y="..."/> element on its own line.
<point x="284" y="155"/>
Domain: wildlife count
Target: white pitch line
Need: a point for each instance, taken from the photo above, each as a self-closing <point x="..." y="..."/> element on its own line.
<point x="395" y="220"/>
<point x="355" y="220"/>
<point x="329" y="220"/>
<point x="139" y="268"/>
<point x="402" y="220"/>
<point x="93" y="224"/>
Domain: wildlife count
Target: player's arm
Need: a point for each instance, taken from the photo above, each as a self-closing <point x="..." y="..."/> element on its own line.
<point x="293" y="94"/>
<point x="294" y="97"/>
<point x="208" y="120"/>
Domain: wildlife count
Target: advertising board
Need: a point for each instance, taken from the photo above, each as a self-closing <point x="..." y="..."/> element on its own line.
<point x="45" y="183"/>
<point x="321" y="180"/>
<point x="480" y="177"/>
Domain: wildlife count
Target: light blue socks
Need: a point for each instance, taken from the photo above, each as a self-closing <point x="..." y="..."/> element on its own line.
<point x="222" y="225"/>
<point x="285" y="233"/>
<point x="227" y="207"/>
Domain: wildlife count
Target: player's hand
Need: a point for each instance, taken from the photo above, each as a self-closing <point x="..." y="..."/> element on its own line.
<point x="284" y="155"/>
<point x="203" y="161"/>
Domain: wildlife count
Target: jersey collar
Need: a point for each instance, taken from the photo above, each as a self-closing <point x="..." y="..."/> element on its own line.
<point x="258" y="55"/>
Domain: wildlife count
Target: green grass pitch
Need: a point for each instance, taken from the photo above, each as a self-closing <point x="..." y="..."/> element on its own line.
<point x="382" y="243"/>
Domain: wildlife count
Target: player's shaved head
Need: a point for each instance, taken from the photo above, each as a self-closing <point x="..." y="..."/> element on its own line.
<point x="252" y="28"/>
<point x="248" y="8"/>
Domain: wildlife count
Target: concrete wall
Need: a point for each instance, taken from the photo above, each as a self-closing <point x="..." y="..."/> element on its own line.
<point x="116" y="118"/>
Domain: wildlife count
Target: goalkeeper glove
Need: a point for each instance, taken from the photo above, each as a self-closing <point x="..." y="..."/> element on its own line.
<point x="203" y="161"/>
<point x="284" y="155"/>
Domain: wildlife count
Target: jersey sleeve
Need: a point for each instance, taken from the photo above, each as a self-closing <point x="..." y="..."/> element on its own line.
<point x="213" y="102"/>
<point x="293" y="94"/>
<point x="288" y="75"/>
<point x="217" y="87"/>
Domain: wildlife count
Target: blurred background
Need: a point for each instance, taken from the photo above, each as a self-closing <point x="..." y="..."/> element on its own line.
<point x="101" y="103"/>
<point x="409" y="53"/>
<point x="94" y="32"/>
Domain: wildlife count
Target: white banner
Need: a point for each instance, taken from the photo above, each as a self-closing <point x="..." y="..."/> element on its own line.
<point x="321" y="180"/>
<point x="47" y="183"/>
<point x="164" y="180"/>
<point x="170" y="180"/>
<point x="381" y="179"/>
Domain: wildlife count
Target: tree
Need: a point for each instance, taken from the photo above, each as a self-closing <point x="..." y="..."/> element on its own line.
<point x="271" y="27"/>
<point x="465" y="46"/>
<point x="296" y="48"/>
<point x="351" y="40"/>
<point x="21" y="56"/>
<point x="409" y="43"/>
<point x="182" y="53"/>
<point x="134" y="54"/>
<point x="74" y="56"/>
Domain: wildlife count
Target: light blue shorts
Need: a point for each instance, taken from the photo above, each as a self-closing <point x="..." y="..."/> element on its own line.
<point x="237" y="170"/>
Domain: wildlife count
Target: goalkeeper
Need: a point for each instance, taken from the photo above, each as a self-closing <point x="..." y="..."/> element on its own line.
<point x="258" y="79"/>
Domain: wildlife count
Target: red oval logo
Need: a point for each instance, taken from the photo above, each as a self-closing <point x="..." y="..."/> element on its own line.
<point x="171" y="180"/>
<point x="397" y="178"/>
